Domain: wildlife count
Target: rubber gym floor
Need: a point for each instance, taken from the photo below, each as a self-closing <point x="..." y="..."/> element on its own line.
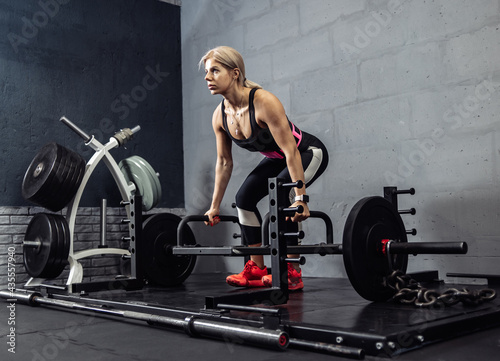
<point x="46" y="333"/>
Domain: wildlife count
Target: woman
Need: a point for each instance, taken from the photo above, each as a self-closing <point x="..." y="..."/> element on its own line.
<point x="255" y="119"/>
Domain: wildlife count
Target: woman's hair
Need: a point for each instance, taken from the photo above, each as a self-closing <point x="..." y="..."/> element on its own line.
<point x="231" y="59"/>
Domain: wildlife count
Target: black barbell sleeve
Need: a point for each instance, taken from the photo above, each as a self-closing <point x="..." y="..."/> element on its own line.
<point x="428" y="248"/>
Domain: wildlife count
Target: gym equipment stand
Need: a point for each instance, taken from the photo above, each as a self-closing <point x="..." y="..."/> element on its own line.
<point x="133" y="207"/>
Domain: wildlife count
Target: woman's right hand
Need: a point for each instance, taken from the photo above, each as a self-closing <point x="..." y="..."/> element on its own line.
<point x="213" y="217"/>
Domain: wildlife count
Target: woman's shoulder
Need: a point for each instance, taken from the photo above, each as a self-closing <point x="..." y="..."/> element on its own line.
<point x="266" y="99"/>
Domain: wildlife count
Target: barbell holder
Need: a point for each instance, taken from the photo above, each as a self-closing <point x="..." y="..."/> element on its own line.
<point x="298" y="184"/>
<point x="412" y="231"/>
<point x="300" y="260"/>
<point x="299" y="234"/>
<point x="290" y="211"/>
<point x="87" y="138"/>
<point x="411" y="211"/>
<point x="405" y="191"/>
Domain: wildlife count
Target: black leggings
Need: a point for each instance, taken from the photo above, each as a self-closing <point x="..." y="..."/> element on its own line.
<point x="255" y="187"/>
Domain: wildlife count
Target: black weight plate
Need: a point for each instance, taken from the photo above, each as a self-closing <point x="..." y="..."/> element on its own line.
<point x="67" y="181"/>
<point x="53" y="177"/>
<point x="71" y="178"/>
<point x="371" y="220"/>
<point x="50" y="195"/>
<point x="38" y="261"/>
<point x="64" y="244"/>
<point x="48" y="272"/>
<point x="61" y="259"/>
<point x="161" y="266"/>
<point x="39" y="170"/>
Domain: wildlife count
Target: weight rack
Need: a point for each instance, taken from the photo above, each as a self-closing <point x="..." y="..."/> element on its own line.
<point x="133" y="207"/>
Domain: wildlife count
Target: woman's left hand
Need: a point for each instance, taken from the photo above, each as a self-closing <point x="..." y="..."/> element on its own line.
<point x="299" y="217"/>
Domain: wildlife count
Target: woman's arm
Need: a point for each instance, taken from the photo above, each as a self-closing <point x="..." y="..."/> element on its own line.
<point x="269" y="110"/>
<point x="223" y="166"/>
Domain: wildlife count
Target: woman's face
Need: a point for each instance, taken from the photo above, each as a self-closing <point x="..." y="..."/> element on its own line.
<point x="218" y="77"/>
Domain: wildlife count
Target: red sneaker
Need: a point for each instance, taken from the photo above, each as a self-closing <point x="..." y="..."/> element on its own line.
<point x="294" y="279"/>
<point x="250" y="277"/>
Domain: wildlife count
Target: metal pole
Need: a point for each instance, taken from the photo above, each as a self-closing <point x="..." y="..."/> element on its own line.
<point x="192" y="325"/>
<point x="103" y="223"/>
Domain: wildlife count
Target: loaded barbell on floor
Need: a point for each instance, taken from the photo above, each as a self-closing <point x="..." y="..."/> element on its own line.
<point x="374" y="245"/>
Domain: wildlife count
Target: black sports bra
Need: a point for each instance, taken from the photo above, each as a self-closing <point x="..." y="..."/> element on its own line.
<point x="261" y="139"/>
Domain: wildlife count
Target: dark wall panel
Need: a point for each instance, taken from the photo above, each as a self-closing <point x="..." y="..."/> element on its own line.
<point x="106" y="65"/>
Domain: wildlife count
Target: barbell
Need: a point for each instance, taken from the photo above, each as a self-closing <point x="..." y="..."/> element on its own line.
<point x="374" y="245"/>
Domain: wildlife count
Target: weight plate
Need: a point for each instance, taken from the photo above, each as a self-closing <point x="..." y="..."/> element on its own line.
<point x="154" y="177"/>
<point x="140" y="174"/>
<point x="38" y="261"/>
<point x="49" y="271"/>
<point x="70" y="179"/>
<point x="53" y="190"/>
<point x="63" y="246"/>
<point x="161" y="267"/>
<point x="47" y="180"/>
<point x="371" y="220"/>
<point x="39" y="170"/>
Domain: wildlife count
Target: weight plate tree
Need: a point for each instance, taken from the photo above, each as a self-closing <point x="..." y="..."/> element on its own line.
<point x="53" y="177"/>
<point x="138" y="171"/>
<point x="159" y="235"/>
<point x="372" y="220"/>
<point x="46" y="246"/>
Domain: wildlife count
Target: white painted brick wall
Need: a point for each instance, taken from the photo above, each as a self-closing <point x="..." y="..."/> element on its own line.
<point x="422" y="81"/>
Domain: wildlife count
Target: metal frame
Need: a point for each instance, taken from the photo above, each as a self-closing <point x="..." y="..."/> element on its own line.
<point x="132" y="206"/>
<point x="273" y="227"/>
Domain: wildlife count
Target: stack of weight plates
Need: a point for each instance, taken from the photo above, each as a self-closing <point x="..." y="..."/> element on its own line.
<point x="50" y="257"/>
<point x="53" y="177"/>
<point x="136" y="170"/>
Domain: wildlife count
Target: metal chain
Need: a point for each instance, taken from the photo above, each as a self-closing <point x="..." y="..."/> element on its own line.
<point x="409" y="291"/>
